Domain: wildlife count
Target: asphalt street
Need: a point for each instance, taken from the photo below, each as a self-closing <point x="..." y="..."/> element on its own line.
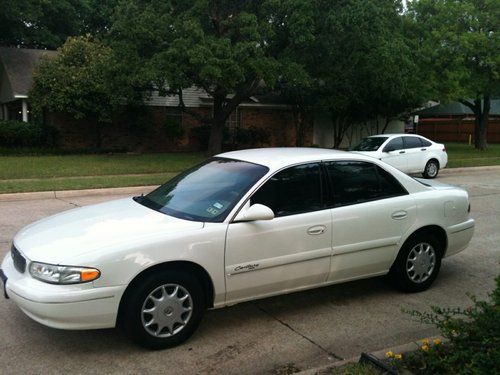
<point x="306" y="329"/>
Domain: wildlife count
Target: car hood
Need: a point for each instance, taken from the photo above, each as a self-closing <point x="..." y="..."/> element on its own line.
<point x="81" y="230"/>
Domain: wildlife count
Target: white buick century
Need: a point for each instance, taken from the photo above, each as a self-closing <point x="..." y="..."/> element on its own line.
<point x="240" y="226"/>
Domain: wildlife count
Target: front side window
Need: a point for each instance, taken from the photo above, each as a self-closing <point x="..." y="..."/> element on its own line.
<point x="412" y="142"/>
<point x="355" y="182"/>
<point x="370" y="144"/>
<point x="206" y="192"/>
<point x="292" y="191"/>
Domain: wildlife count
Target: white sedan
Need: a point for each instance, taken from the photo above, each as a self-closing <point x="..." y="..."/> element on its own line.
<point x="408" y="153"/>
<point x="240" y="226"/>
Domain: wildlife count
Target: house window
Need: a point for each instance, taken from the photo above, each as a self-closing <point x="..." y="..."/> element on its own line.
<point x="232" y="124"/>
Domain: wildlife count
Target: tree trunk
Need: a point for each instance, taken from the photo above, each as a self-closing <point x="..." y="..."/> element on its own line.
<point x="217" y="127"/>
<point x="99" y="135"/>
<point x="299" y="127"/>
<point x="387" y="121"/>
<point x="481" y="114"/>
<point x="339" y="129"/>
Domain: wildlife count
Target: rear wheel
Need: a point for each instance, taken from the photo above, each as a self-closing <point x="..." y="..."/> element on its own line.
<point x="417" y="264"/>
<point x="431" y="169"/>
<point x="163" y="310"/>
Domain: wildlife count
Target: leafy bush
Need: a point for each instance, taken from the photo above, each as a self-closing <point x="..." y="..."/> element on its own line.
<point x="22" y="134"/>
<point x="473" y="339"/>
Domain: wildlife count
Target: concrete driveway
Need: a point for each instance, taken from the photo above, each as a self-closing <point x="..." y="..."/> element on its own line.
<point x="306" y="329"/>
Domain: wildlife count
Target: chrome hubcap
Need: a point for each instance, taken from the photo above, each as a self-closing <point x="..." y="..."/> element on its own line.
<point x="421" y="262"/>
<point x="432" y="169"/>
<point x="166" y="310"/>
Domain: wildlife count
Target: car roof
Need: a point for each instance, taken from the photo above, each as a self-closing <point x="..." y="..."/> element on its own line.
<point x="396" y="135"/>
<point x="279" y="157"/>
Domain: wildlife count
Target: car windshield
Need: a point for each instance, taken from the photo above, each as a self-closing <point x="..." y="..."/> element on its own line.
<point x="370" y="144"/>
<point x="206" y="192"/>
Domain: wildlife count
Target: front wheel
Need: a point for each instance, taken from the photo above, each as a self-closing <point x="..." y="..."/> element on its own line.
<point x="417" y="264"/>
<point x="163" y="310"/>
<point x="431" y="169"/>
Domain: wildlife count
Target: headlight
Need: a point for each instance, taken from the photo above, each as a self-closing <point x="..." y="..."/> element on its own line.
<point x="53" y="274"/>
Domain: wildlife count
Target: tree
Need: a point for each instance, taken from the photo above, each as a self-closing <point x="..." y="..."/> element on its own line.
<point x="76" y="82"/>
<point x="47" y="24"/>
<point x="460" y="50"/>
<point x="360" y="65"/>
<point x="228" y="48"/>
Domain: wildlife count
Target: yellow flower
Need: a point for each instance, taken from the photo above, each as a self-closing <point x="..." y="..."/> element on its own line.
<point x="425" y="341"/>
<point x="425" y="347"/>
<point x="398" y="356"/>
<point x="437" y="341"/>
<point x="389" y="354"/>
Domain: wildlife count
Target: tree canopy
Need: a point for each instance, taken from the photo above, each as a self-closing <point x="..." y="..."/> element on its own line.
<point x="76" y="81"/>
<point x="352" y="59"/>
<point x="47" y="24"/>
<point x="459" y="49"/>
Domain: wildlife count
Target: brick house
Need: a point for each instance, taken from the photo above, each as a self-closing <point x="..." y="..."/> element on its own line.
<point x="160" y="125"/>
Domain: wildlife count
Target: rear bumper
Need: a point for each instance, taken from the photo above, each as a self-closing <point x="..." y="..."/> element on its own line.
<point x="78" y="306"/>
<point x="459" y="236"/>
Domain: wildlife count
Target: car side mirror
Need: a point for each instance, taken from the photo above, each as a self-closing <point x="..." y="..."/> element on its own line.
<point x="255" y="212"/>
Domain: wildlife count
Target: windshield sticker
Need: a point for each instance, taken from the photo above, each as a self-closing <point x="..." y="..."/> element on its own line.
<point x="212" y="211"/>
<point x="218" y="205"/>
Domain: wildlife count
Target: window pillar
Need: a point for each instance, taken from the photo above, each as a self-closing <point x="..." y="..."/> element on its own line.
<point x="25" y="110"/>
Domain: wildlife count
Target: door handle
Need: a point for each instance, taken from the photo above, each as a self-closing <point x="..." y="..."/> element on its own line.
<point x="423" y="149"/>
<point x="402" y="152"/>
<point x="399" y="215"/>
<point x="317" y="229"/>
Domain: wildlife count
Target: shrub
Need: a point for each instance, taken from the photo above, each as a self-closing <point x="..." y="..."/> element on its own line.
<point x="22" y="134"/>
<point x="473" y="339"/>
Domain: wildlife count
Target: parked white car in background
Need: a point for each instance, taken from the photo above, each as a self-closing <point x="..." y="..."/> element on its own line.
<point x="408" y="153"/>
<point x="241" y="226"/>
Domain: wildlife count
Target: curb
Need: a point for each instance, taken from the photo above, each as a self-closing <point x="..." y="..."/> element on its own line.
<point x="404" y="348"/>
<point x="132" y="190"/>
<point x="470" y="169"/>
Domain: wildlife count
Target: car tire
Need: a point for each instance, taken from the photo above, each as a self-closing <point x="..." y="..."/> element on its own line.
<point x="163" y="309"/>
<point x="431" y="169"/>
<point x="417" y="264"/>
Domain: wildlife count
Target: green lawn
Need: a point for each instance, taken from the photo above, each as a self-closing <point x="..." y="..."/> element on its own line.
<point x="67" y="172"/>
<point x="463" y="155"/>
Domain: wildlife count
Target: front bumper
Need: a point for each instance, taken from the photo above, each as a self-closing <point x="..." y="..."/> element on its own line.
<point x="79" y="306"/>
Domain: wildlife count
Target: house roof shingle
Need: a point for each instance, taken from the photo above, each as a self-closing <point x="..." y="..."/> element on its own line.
<point x="19" y="64"/>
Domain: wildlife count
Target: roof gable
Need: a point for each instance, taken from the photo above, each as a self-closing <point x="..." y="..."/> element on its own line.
<point x="19" y="64"/>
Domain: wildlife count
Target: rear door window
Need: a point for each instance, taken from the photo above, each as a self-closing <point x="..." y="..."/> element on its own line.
<point x="412" y="142"/>
<point x="354" y="182"/>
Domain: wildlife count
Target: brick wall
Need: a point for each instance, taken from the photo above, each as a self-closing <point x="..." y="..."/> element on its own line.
<point x="148" y="131"/>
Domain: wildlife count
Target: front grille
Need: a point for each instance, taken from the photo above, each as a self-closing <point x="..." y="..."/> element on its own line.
<point x="19" y="260"/>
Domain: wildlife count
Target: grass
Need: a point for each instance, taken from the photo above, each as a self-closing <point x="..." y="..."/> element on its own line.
<point x="84" y="171"/>
<point x="68" y="172"/>
<point x="463" y="155"/>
